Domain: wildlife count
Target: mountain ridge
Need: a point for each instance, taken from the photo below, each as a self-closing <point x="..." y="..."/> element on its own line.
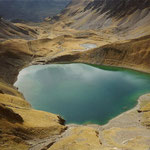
<point x="121" y="17"/>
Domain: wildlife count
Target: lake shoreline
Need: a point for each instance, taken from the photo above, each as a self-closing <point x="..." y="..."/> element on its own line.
<point x="115" y="123"/>
<point x="118" y="68"/>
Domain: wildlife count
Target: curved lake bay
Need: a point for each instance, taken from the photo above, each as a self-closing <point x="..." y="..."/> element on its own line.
<point x="82" y="93"/>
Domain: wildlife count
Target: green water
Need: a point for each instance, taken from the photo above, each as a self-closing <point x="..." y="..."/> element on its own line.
<point x="82" y="93"/>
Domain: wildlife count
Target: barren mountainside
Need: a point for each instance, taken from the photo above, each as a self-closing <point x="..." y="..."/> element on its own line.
<point x="120" y="16"/>
<point x="120" y="29"/>
<point x="118" y="8"/>
<point x="9" y="30"/>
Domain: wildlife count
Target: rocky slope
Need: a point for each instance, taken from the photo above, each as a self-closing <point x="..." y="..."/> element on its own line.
<point x="129" y="18"/>
<point x="9" y="30"/>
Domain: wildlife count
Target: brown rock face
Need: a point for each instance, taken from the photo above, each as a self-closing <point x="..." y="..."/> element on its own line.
<point x="119" y="8"/>
<point x="10" y="115"/>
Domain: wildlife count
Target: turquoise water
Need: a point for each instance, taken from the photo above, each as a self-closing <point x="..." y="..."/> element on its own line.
<point x="82" y="93"/>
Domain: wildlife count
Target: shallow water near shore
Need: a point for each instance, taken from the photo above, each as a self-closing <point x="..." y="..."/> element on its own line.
<point x="88" y="46"/>
<point x="82" y="93"/>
